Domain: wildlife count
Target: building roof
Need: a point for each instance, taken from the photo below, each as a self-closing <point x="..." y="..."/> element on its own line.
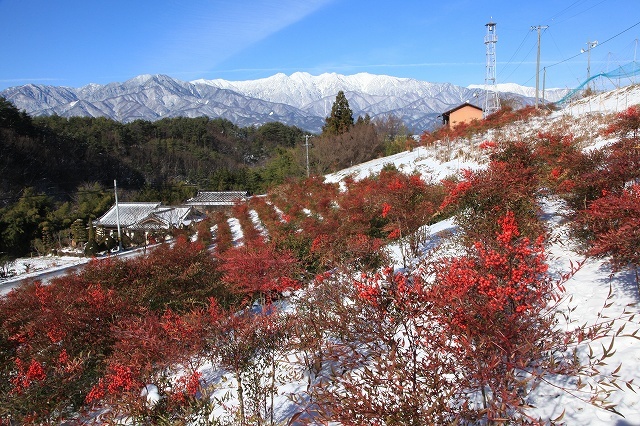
<point x="212" y="198"/>
<point x="460" y="107"/>
<point x="129" y="213"/>
<point x="148" y="216"/>
<point x="165" y="218"/>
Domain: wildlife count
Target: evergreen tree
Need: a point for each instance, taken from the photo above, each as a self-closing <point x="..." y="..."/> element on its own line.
<point x="79" y="232"/>
<point x="12" y="118"/>
<point x="91" y="248"/>
<point x="341" y="118"/>
<point x="47" y="237"/>
<point x="20" y="222"/>
<point x="364" y="120"/>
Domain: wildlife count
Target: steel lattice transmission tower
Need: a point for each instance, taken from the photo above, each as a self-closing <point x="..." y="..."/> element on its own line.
<point x="491" y="100"/>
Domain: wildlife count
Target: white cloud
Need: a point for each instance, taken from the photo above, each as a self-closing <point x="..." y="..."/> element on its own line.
<point x="206" y="33"/>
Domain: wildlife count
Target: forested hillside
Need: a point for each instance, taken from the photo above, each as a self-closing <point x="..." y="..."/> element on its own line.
<point x="57" y="170"/>
<point x="47" y="152"/>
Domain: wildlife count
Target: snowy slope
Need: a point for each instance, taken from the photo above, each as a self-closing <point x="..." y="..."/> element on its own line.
<point x="603" y="103"/>
<point x="588" y="290"/>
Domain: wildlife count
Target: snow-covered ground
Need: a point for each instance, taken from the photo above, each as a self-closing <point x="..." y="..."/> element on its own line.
<point x="606" y="102"/>
<point x="50" y="266"/>
<point x="588" y="288"/>
<point x="588" y="292"/>
<point x="432" y="163"/>
<point x="34" y="267"/>
<point x="31" y="266"/>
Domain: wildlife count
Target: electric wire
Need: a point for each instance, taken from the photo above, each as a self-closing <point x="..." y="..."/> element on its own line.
<point x="564" y="10"/>
<point x="569" y="69"/>
<point x="513" y="56"/>
<point x="583" y="11"/>
<point x="522" y="62"/>
<point x="572" y="6"/>
<point x="595" y="47"/>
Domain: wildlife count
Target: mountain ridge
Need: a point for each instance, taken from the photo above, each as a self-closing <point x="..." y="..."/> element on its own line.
<point x="301" y="99"/>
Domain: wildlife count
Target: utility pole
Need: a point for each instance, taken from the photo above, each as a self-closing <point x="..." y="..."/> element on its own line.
<point x="306" y="144"/>
<point x="635" y="50"/>
<point x="544" y="81"/>
<point x="590" y="45"/>
<point x="115" y="189"/>
<point x="538" y="28"/>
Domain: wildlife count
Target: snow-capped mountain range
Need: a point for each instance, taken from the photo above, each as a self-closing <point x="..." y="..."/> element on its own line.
<point x="300" y="99"/>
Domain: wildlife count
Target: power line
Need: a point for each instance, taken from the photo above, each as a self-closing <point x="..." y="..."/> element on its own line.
<point x="564" y="10"/>
<point x="599" y="44"/>
<point x="585" y="10"/>
<point x="571" y="6"/>
<point x="513" y="56"/>
<point x="521" y="62"/>
<point x="569" y="69"/>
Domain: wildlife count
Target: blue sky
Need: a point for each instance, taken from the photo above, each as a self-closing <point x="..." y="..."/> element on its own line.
<point x="74" y="43"/>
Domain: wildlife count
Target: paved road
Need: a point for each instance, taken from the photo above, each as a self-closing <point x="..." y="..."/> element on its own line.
<point x="48" y="275"/>
<point x="45" y="276"/>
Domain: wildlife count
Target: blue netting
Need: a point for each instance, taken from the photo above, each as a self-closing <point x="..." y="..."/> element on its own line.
<point x="629" y="70"/>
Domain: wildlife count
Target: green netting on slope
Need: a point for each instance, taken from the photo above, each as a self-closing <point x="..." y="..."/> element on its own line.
<point x="629" y="70"/>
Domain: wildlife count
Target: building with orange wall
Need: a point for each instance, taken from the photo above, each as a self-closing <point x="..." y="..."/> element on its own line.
<point x="461" y="114"/>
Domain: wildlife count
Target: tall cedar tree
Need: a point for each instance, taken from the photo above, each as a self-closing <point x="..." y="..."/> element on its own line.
<point x="341" y="118"/>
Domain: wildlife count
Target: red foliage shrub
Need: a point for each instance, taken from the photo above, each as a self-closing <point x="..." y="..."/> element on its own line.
<point x="495" y="302"/>
<point x="223" y="237"/>
<point x="502" y="281"/>
<point x="351" y="226"/>
<point x="58" y="340"/>
<point x="203" y="230"/>
<point x="171" y="275"/>
<point x="613" y="221"/>
<point x="246" y="344"/>
<point x="610" y="169"/>
<point x="150" y="350"/>
<point x="249" y="231"/>
<point x="54" y="337"/>
<point x="626" y="123"/>
<point x="488" y="145"/>
<point x="383" y="362"/>
<point x="371" y="211"/>
<point x="556" y="156"/>
<point x="483" y="196"/>
<point x="268" y="217"/>
<point x="260" y="271"/>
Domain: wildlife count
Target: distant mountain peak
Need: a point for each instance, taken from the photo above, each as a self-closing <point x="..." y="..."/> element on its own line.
<point x="300" y="99"/>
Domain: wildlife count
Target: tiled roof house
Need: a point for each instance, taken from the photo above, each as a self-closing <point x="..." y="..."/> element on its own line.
<point x="129" y="213"/>
<point x="212" y="200"/>
<point x="166" y="217"/>
<point x="147" y="217"/>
